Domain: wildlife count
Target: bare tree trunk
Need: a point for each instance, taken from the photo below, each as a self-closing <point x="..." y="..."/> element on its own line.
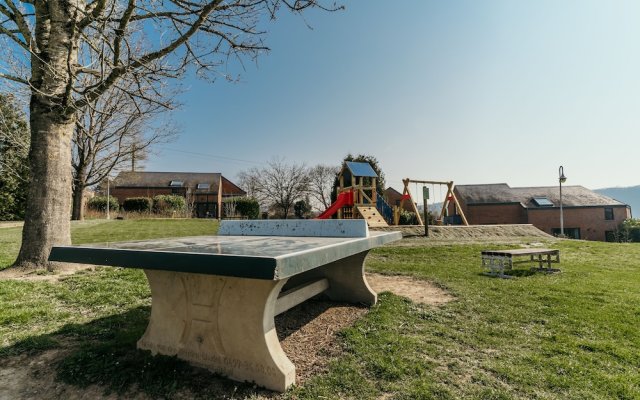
<point x="47" y="216"/>
<point x="52" y="117"/>
<point x="79" y="182"/>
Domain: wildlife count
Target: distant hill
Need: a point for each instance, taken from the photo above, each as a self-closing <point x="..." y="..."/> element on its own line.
<point x="629" y="195"/>
<point x="433" y="208"/>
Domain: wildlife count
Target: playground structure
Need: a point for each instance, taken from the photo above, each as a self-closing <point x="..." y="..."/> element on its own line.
<point x="449" y="197"/>
<point x="358" y="197"/>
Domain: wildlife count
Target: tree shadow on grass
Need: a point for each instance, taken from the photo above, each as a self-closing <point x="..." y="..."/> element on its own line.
<point x="103" y="353"/>
<point x="520" y="273"/>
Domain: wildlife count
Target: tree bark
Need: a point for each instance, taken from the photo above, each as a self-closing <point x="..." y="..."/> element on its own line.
<point x="52" y="119"/>
<point x="47" y="215"/>
<point x="77" y="211"/>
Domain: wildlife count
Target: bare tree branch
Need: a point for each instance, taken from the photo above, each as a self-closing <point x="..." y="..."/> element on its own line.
<point x="321" y="179"/>
<point x="115" y="132"/>
<point x="20" y="21"/>
<point x="11" y="35"/>
<point x="14" y="78"/>
<point x="277" y="185"/>
<point x="73" y="54"/>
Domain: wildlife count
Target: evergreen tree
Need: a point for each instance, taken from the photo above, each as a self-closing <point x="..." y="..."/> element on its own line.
<point x="301" y="209"/>
<point x="380" y="182"/>
<point x="14" y="166"/>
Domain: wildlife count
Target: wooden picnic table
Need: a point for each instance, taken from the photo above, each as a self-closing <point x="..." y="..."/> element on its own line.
<point x="214" y="298"/>
<point x="497" y="261"/>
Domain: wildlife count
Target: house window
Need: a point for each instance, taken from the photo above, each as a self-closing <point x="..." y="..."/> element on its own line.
<point x="203" y="186"/>
<point x="176" y="183"/>
<point x="542" y="202"/>
<point x="608" y="213"/>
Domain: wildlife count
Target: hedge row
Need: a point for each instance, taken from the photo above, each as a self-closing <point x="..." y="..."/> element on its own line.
<point x="166" y="203"/>
<point x="137" y="204"/>
<point x="245" y="206"/>
<point x="158" y="204"/>
<point x="99" y="203"/>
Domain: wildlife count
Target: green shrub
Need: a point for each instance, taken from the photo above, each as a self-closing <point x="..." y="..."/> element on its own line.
<point x="408" y="218"/>
<point x="137" y="204"/>
<point x="245" y="206"/>
<point x="99" y="203"/>
<point x="301" y="209"/>
<point x="629" y="231"/>
<point x="163" y="203"/>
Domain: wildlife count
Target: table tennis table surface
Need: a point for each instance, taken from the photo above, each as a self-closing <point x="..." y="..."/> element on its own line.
<point x="259" y="257"/>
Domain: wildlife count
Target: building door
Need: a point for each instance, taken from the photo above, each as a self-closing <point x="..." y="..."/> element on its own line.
<point x="206" y="210"/>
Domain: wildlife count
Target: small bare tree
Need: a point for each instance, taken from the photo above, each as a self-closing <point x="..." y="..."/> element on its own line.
<point x="321" y="179"/>
<point x="229" y="208"/>
<point x="69" y="54"/>
<point x="277" y="185"/>
<point x="114" y="133"/>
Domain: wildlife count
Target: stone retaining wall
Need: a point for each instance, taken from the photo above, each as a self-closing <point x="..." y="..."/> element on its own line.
<point x="457" y="232"/>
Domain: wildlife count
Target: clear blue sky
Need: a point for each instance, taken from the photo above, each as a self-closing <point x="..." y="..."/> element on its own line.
<point x="470" y="91"/>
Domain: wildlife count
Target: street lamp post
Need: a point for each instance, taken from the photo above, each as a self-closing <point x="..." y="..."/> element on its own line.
<point x="562" y="179"/>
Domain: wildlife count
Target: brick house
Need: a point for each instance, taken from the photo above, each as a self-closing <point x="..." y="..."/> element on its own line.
<point x="586" y="214"/>
<point x="393" y="198"/>
<point x="204" y="191"/>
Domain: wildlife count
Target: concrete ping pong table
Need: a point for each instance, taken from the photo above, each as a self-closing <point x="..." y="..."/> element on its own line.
<point x="214" y="298"/>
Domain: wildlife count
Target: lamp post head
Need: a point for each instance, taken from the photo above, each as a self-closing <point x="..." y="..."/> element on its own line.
<point x="561" y="178"/>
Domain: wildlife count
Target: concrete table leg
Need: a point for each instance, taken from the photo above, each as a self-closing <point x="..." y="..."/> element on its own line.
<point x="224" y="324"/>
<point x="347" y="281"/>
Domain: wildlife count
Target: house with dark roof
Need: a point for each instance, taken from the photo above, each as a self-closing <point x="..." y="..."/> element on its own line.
<point x="203" y="191"/>
<point x="394" y="198"/>
<point x="586" y="214"/>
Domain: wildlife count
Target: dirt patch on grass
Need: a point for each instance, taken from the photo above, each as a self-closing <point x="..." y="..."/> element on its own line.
<point x="308" y="334"/>
<point x="60" y="271"/>
<point x="416" y="290"/>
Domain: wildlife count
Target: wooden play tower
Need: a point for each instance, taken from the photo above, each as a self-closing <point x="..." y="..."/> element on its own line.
<point x="360" y="179"/>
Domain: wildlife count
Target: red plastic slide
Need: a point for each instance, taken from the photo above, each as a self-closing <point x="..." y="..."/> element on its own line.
<point x="344" y="199"/>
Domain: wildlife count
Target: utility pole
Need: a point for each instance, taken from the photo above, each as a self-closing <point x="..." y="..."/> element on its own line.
<point x="425" y="197"/>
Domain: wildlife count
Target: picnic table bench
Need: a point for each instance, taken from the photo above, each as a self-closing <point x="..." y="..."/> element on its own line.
<point x="499" y="260"/>
<point x="214" y="298"/>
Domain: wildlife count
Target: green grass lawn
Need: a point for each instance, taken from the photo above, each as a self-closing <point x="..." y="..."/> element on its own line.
<point x="572" y="334"/>
<point x="29" y="308"/>
<point x="568" y="335"/>
<point x="97" y="230"/>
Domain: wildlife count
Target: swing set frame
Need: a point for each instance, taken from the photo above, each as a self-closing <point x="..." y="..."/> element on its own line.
<point x="450" y="196"/>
